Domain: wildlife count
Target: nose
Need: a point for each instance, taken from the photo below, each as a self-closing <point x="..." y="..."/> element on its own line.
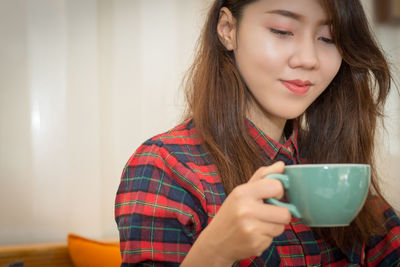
<point x="305" y="55"/>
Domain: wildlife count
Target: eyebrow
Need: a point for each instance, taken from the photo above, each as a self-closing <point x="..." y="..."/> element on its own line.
<point x="295" y="16"/>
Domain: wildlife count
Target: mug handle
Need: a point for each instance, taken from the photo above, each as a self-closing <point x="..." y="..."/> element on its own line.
<point x="284" y="179"/>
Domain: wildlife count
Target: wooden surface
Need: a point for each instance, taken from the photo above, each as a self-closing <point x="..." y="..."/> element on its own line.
<point x="54" y="255"/>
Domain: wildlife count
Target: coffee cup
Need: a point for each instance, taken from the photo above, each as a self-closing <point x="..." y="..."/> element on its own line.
<point x="324" y="195"/>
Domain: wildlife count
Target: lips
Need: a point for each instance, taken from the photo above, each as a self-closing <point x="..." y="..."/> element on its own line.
<point x="298" y="87"/>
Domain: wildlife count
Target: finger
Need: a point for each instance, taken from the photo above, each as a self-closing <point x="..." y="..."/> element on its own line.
<point x="278" y="167"/>
<point x="273" y="229"/>
<point x="265" y="229"/>
<point x="272" y="214"/>
<point x="265" y="188"/>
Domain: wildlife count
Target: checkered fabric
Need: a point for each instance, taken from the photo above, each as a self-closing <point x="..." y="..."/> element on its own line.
<point x="170" y="191"/>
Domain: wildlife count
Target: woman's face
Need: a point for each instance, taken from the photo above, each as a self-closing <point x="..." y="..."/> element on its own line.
<point x="285" y="54"/>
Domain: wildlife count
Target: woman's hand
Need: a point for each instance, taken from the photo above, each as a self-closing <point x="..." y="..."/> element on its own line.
<point x="244" y="226"/>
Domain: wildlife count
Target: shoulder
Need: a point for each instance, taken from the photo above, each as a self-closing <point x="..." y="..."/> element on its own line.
<point x="169" y="147"/>
<point x="169" y="143"/>
<point x="390" y="218"/>
<point x="184" y="134"/>
<point x="175" y="156"/>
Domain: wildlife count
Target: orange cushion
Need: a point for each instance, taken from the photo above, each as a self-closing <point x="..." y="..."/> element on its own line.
<point x="86" y="253"/>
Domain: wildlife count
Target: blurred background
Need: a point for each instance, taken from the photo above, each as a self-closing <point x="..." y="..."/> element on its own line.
<point x="83" y="83"/>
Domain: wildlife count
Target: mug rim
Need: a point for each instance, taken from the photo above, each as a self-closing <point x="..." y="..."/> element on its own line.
<point x="318" y="165"/>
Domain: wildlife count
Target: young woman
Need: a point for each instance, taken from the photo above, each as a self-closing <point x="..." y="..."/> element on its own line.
<point x="274" y="82"/>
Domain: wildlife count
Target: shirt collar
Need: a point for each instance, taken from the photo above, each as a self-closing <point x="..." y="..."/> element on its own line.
<point x="271" y="147"/>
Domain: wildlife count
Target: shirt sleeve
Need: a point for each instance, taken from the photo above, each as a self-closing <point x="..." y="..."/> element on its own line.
<point x="157" y="211"/>
<point x="385" y="250"/>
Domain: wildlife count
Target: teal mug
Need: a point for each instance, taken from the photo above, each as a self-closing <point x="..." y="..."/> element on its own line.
<point x="324" y="195"/>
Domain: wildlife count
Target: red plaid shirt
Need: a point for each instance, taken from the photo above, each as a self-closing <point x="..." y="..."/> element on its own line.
<point x="170" y="191"/>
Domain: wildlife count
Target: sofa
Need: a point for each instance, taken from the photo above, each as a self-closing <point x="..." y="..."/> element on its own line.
<point x="78" y="251"/>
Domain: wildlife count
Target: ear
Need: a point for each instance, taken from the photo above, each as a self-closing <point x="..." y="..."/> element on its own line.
<point x="226" y="28"/>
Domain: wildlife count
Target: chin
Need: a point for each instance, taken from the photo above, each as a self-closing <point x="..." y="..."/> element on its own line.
<point x="291" y="114"/>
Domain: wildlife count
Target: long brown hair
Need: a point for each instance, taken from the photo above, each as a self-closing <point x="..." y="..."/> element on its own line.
<point x="339" y="127"/>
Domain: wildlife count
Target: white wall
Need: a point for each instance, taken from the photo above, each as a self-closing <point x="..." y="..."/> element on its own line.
<point x="82" y="84"/>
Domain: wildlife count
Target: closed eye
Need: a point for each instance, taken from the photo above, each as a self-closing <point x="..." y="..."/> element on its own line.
<point x="280" y="32"/>
<point x="326" y="40"/>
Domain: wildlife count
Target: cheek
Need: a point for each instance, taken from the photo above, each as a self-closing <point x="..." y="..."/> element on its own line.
<point x="274" y="52"/>
<point x="272" y="49"/>
<point x="260" y="50"/>
<point x="332" y="66"/>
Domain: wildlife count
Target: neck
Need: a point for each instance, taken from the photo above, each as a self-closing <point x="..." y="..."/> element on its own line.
<point x="269" y="124"/>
